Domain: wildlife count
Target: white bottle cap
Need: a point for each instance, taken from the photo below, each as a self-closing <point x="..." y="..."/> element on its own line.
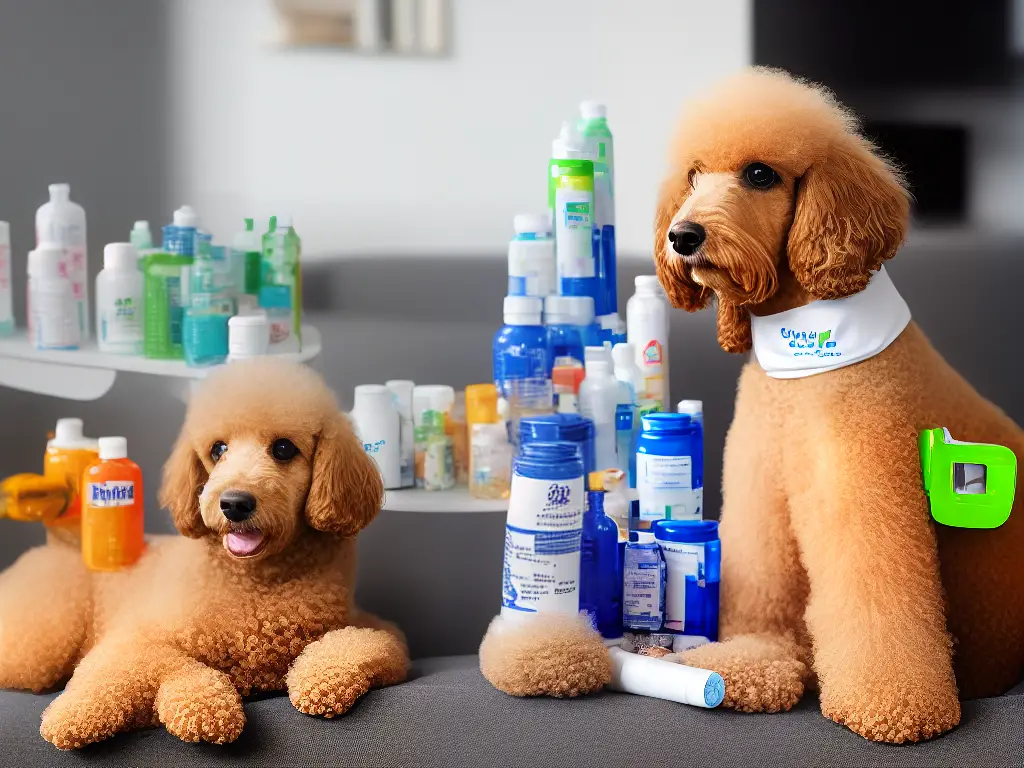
<point x="593" y="110"/>
<point x="248" y="336"/>
<point x="596" y="353"/>
<point x="623" y="354"/>
<point x="568" y="310"/>
<point x="692" y="407"/>
<point x="647" y="284"/>
<point x="523" y="310"/>
<point x="644" y="537"/>
<point x="44" y="261"/>
<point x="402" y="389"/>
<point x="120" y="256"/>
<point x="113" y="448"/>
<point x="68" y="434"/>
<point x="186" y="217"/>
<point x="60" y="191"/>
<point x="532" y="223"/>
<point x="598" y="366"/>
<point x="140" y="226"/>
<point x="5" y="233"/>
<point x="372" y="396"/>
<point x="569" y="145"/>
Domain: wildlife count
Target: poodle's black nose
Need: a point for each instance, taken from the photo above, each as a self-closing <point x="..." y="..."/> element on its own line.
<point x="237" y="506"/>
<point x="686" y="237"/>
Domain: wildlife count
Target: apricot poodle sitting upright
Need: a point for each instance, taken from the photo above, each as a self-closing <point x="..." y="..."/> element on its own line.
<point x="270" y="486"/>
<point x="832" y="565"/>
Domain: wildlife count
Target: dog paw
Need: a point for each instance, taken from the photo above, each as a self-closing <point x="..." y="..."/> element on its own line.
<point x="560" y="656"/>
<point x="201" y="707"/>
<point x="74" y="721"/>
<point x="327" y="690"/>
<point x="759" y="675"/>
<point x="896" y="715"/>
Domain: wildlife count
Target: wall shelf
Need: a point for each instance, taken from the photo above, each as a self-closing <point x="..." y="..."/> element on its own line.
<point x="88" y="374"/>
<point x="455" y="500"/>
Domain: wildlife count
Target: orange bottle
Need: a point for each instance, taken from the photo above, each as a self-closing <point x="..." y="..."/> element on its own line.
<point x="112" y="509"/>
<point x="68" y="453"/>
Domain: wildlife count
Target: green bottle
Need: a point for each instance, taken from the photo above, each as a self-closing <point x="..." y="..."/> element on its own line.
<point x="281" y="285"/>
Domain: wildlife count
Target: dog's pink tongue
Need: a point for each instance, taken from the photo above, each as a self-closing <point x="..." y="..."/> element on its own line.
<point x="243" y="542"/>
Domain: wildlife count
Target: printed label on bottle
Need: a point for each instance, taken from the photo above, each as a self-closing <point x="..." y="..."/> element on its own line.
<point x="642" y="588"/>
<point x="653" y="353"/>
<point x="574" y="233"/>
<point x="438" y="465"/>
<point x="113" y="493"/>
<point x="543" y="535"/>
<point x="665" y="486"/>
<point x="121" y="323"/>
<point x="684" y="563"/>
<point x="54" y="317"/>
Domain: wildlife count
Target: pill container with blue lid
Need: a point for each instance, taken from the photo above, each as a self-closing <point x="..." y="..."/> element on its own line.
<point x="670" y="467"/>
<point x="693" y="565"/>
<point x="569" y="427"/>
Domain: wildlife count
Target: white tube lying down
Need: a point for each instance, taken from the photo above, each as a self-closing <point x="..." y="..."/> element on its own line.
<point x="648" y="676"/>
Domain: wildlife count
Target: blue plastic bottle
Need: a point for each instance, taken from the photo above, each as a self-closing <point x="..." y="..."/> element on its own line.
<point x="543" y="532"/>
<point x="670" y="467"/>
<point x="205" y="327"/>
<point x="643" y="583"/>
<point x="566" y="318"/>
<point x="693" y="564"/>
<point x="601" y="569"/>
<point x="569" y="427"/>
<point x="521" y="346"/>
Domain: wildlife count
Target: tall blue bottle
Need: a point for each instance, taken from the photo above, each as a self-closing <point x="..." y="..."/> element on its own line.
<point x="601" y="569"/>
<point x="521" y="346"/>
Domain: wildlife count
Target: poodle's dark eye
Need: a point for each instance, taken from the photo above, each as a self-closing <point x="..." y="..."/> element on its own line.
<point x="760" y="176"/>
<point x="283" y="449"/>
<point x="218" y="449"/>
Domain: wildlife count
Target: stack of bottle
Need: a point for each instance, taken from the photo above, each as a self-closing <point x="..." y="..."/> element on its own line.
<point x="187" y="299"/>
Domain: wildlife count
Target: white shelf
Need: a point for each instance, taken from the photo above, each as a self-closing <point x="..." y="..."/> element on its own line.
<point x="455" y="500"/>
<point x="88" y="374"/>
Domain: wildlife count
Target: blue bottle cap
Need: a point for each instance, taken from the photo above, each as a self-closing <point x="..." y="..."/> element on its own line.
<point x="714" y="690"/>
<point x="555" y="426"/>
<point x="665" y="422"/>
<point x="549" y="461"/>
<point x="686" y="531"/>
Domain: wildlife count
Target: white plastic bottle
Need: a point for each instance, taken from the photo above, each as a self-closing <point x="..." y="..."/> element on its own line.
<point x="647" y="331"/>
<point x="61" y="222"/>
<point x="402" y="391"/>
<point x="599" y="398"/>
<point x="531" y="257"/>
<point x="631" y="389"/>
<point x="52" y="304"/>
<point x="6" y="299"/>
<point x="248" y="336"/>
<point x="377" y="423"/>
<point x="119" y="301"/>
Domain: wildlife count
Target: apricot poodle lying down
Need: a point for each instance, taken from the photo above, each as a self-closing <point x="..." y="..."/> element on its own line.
<point x="270" y="486"/>
<point x="833" y="571"/>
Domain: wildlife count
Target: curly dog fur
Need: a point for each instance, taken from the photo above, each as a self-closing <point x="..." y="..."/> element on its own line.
<point x="832" y="566"/>
<point x="180" y="637"/>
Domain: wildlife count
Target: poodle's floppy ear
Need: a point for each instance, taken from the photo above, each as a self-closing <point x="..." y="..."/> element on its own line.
<point x="852" y="213"/>
<point x="184" y="478"/>
<point x="347" y="490"/>
<point x="673" y="273"/>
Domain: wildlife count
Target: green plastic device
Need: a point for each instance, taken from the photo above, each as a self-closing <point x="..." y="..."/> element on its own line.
<point x="969" y="485"/>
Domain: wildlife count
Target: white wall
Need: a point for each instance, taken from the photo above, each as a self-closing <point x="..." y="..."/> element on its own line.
<point x="386" y="155"/>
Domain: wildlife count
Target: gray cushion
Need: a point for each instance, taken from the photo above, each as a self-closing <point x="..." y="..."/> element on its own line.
<point x="447" y="715"/>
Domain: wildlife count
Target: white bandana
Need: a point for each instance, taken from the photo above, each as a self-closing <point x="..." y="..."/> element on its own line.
<point x="826" y="335"/>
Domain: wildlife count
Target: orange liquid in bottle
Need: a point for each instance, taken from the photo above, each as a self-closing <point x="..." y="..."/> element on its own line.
<point x="112" y="509"/>
<point x="67" y="456"/>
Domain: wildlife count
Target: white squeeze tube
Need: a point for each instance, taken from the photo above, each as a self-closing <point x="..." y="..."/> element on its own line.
<point x="660" y="679"/>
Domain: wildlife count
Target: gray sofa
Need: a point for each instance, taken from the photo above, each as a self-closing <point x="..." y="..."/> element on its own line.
<point x="438" y="575"/>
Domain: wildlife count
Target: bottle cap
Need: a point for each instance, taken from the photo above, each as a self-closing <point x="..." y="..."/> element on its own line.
<point x="44" y="262"/>
<point x="401" y="388"/>
<point x="593" y="110"/>
<point x="248" y="336"/>
<point x="120" y="256"/>
<point x="641" y="537"/>
<point x="5" y="233"/>
<point x="665" y="422"/>
<point x="481" y="403"/>
<point x="692" y="407"/>
<point x="598" y="366"/>
<point x="568" y="310"/>
<point x="685" y="531"/>
<point x="68" y="430"/>
<point x="186" y="217"/>
<point x="623" y="354"/>
<point x="60" y="191"/>
<point x="373" y="396"/>
<point x="570" y="144"/>
<point x="596" y="353"/>
<point x="523" y="310"/>
<point x="250" y="225"/>
<point x="647" y="284"/>
<point x="113" y="448"/>
<point x="532" y="223"/>
<point x="141" y="226"/>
